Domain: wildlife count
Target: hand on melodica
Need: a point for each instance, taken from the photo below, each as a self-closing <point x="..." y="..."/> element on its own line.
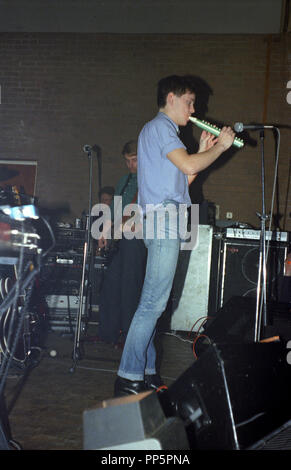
<point x="207" y="140"/>
<point x="226" y="137"/>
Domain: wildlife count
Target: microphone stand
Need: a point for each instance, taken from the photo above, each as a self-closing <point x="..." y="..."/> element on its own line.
<point x="261" y="302"/>
<point x="85" y="281"/>
<point x="97" y="149"/>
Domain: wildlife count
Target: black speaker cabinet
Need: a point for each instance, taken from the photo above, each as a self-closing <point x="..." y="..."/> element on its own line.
<point x="279" y="439"/>
<point x="233" y="395"/>
<point x="235" y="322"/>
<point x="235" y="270"/>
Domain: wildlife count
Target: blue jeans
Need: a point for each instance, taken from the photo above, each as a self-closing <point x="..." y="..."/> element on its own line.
<point x="139" y="354"/>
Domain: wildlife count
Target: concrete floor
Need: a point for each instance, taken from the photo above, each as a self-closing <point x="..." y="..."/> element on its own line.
<point x="46" y="403"/>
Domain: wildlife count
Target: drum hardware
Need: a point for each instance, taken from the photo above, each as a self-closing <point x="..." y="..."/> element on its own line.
<point x="25" y="243"/>
<point x="17" y="323"/>
<point x="13" y="319"/>
<point x="17" y="232"/>
<point x="16" y="294"/>
<point x="25" y="240"/>
<point x="15" y="347"/>
<point x="28" y="211"/>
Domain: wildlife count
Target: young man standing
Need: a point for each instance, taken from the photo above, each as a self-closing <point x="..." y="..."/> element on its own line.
<point x="165" y="170"/>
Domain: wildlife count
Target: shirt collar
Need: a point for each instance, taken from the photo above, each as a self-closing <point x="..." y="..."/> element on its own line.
<point x="165" y="116"/>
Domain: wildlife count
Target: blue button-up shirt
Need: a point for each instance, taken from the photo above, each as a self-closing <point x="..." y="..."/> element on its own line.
<point x="158" y="178"/>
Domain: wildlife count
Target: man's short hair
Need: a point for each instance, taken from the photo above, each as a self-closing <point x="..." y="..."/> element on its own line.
<point x="130" y="148"/>
<point x="179" y="85"/>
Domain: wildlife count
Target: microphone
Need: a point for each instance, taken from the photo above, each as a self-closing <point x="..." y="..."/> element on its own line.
<point x="239" y="127"/>
<point x="87" y="148"/>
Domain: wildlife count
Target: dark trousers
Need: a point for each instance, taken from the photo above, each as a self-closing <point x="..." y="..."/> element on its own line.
<point x="121" y="289"/>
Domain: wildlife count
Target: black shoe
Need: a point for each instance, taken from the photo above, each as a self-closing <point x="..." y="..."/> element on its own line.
<point x="123" y="387"/>
<point x="154" y="382"/>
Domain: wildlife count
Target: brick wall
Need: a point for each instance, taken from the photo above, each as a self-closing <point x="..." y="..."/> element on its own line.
<point x="61" y="91"/>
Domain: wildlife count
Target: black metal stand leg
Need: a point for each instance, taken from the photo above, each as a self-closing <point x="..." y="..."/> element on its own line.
<point x="77" y="350"/>
<point x="86" y="271"/>
<point x="261" y="302"/>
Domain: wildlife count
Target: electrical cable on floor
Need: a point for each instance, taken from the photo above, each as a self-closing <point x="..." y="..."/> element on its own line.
<point x="198" y="336"/>
<point x="178" y="337"/>
<point x="206" y="317"/>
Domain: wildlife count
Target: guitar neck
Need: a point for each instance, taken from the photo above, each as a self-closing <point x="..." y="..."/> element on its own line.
<point x="206" y="126"/>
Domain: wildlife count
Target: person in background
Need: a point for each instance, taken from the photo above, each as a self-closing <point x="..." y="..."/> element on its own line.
<point x="123" y="279"/>
<point x="106" y="195"/>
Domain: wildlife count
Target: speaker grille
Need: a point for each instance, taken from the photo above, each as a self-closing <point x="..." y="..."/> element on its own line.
<point x="239" y="274"/>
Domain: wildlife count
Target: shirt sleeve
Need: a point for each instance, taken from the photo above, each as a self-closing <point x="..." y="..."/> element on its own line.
<point x="169" y="139"/>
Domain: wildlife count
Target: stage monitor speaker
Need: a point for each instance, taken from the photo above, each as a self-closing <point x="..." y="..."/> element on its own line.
<point x="233" y="395"/>
<point x="134" y="422"/>
<point x="234" y="322"/>
<point x="279" y="439"/>
<point x="238" y="271"/>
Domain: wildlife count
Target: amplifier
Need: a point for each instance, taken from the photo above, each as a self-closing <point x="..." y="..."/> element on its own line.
<point x="59" y="304"/>
<point x="63" y="311"/>
<point x="250" y="234"/>
<point x="67" y="239"/>
<point x="235" y="266"/>
<point x="62" y="273"/>
<point x="64" y="258"/>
